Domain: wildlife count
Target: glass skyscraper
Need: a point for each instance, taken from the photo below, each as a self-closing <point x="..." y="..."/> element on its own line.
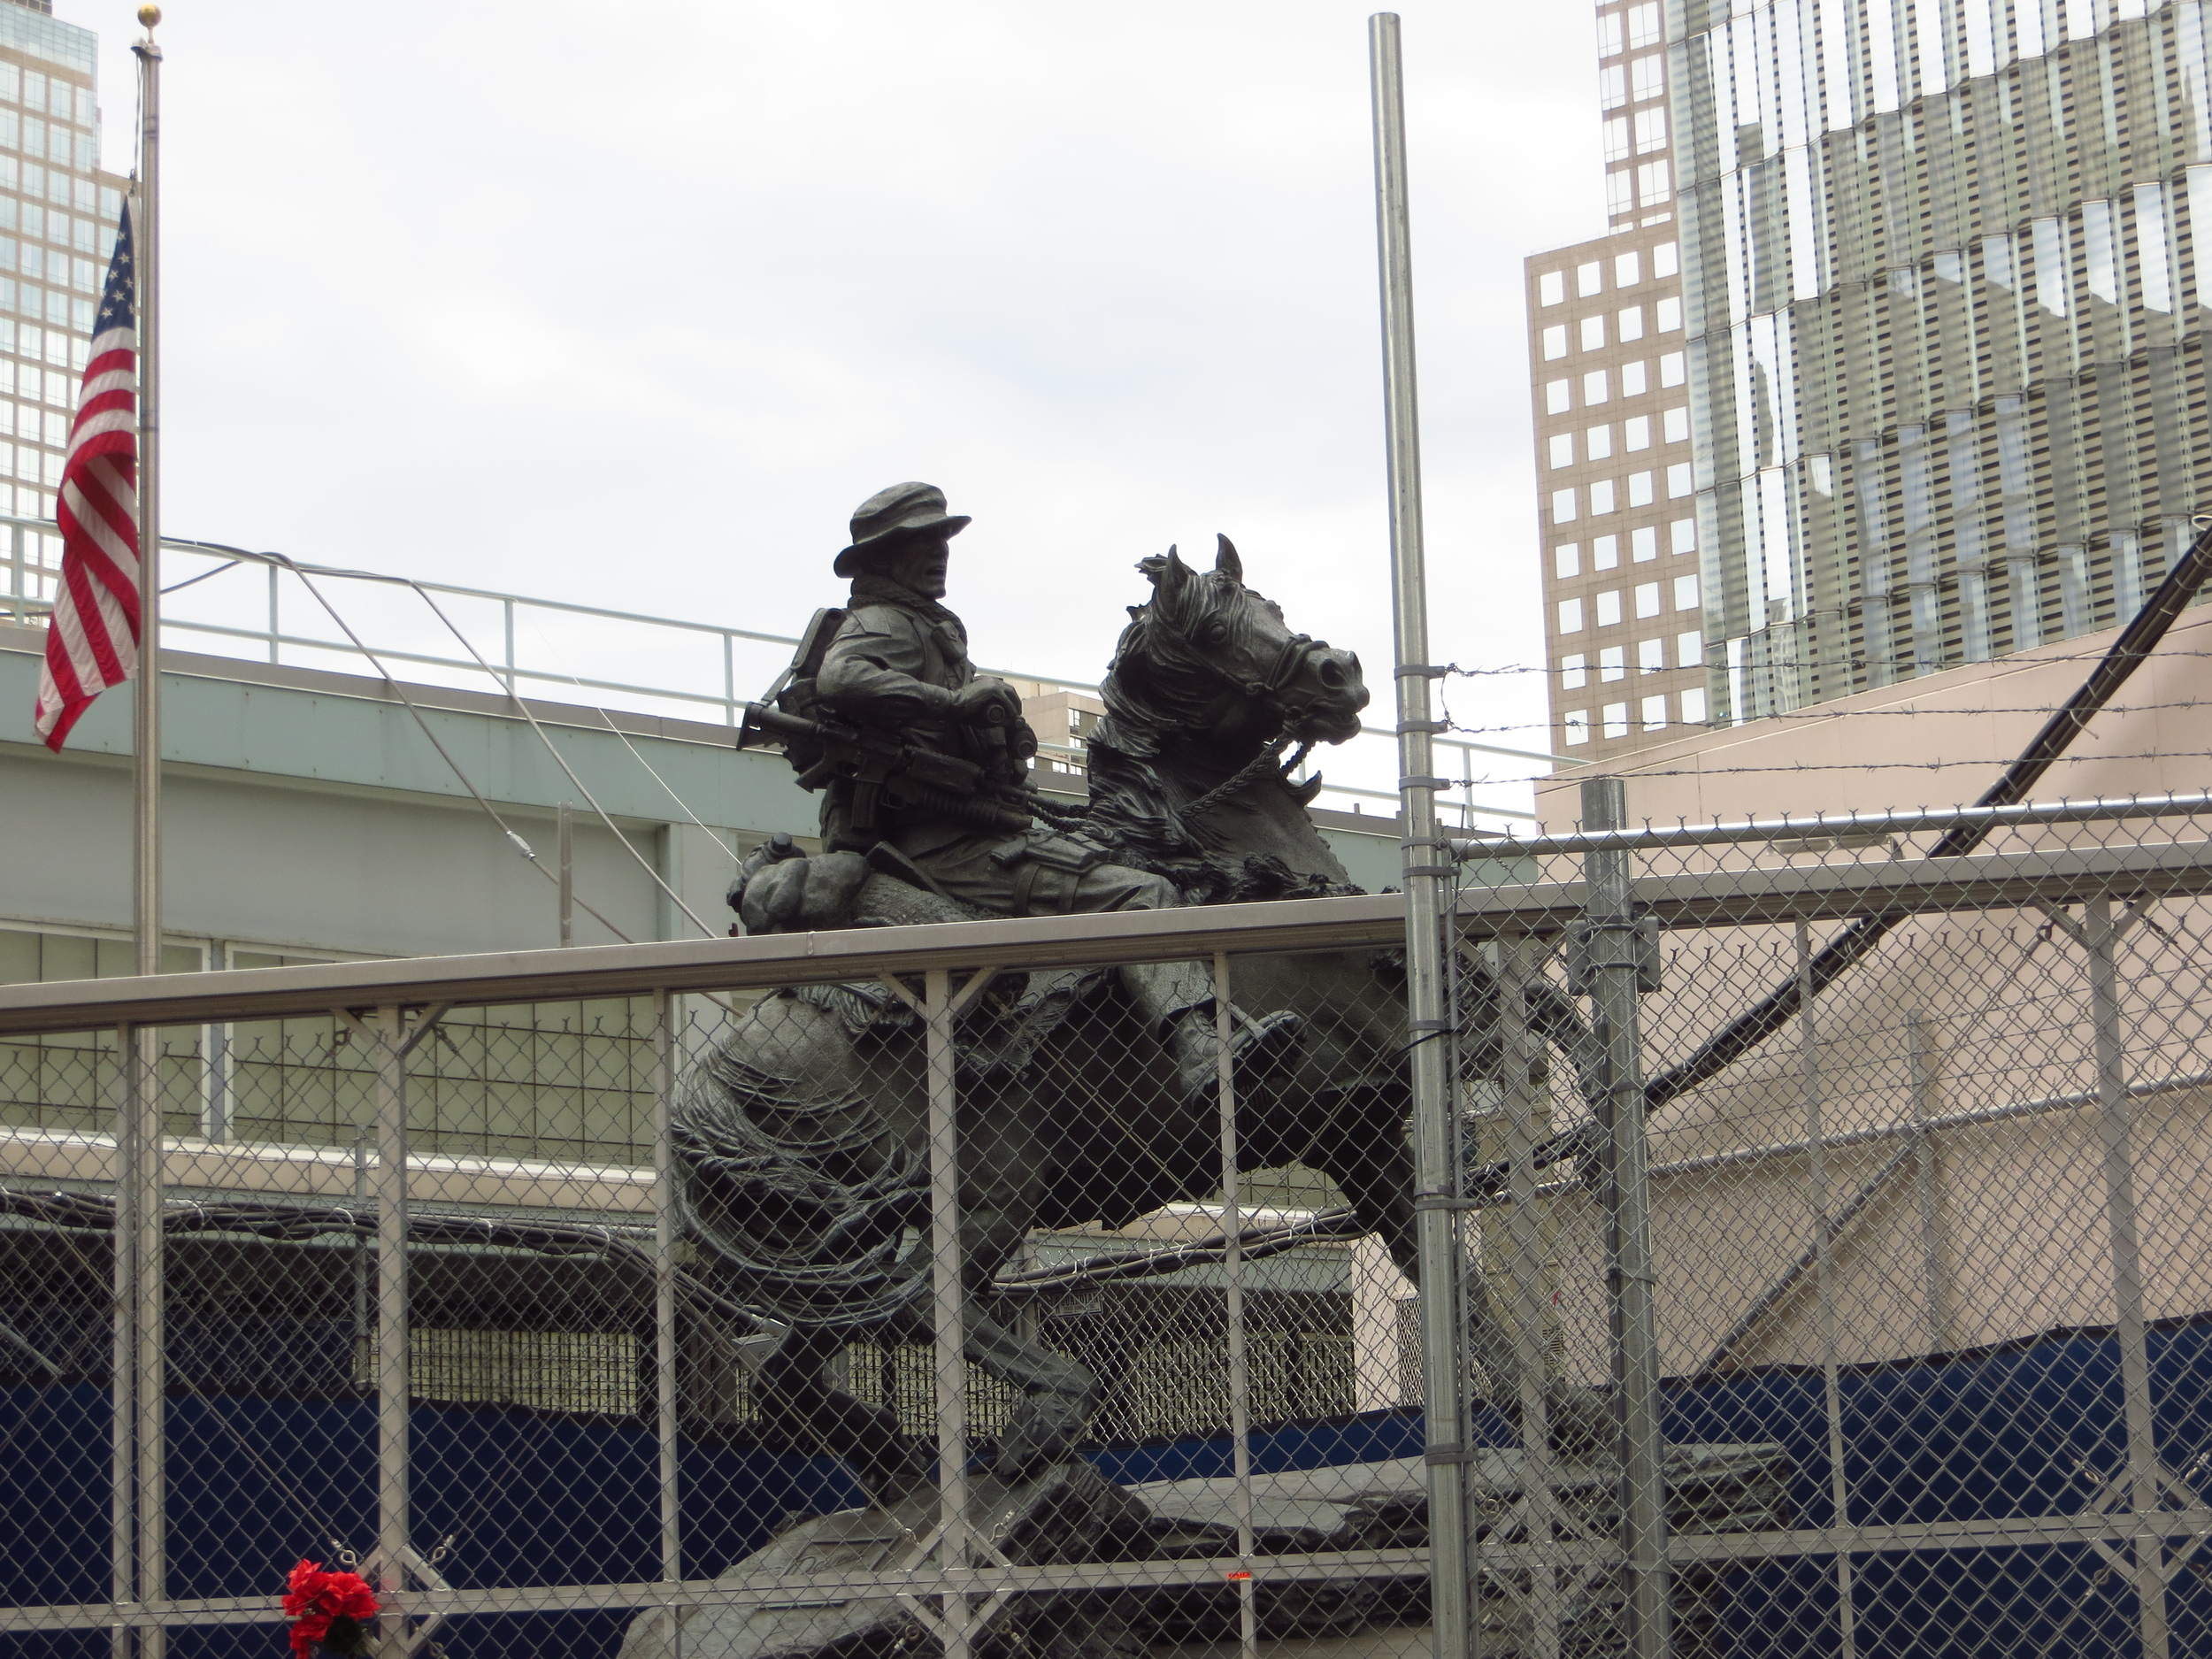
<point x="1940" y="300"/>
<point x="57" y="218"/>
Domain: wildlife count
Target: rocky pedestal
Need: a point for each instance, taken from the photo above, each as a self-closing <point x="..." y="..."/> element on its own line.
<point x="1572" y="1605"/>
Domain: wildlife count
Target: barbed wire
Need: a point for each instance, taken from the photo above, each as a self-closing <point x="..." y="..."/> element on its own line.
<point x="1626" y="764"/>
<point x="1819" y="713"/>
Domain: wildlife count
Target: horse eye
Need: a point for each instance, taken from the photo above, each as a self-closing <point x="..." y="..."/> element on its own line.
<point x="1215" y="632"/>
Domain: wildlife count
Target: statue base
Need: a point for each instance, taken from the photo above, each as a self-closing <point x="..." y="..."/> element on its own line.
<point x="798" y="1610"/>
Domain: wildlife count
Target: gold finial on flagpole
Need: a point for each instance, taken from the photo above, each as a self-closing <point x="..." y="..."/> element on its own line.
<point x="149" y="15"/>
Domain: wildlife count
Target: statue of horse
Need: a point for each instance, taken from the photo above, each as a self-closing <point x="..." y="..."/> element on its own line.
<point x="801" y="1161"/>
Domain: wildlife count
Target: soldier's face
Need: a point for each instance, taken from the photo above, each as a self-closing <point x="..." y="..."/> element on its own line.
<point x="919" y="562"/>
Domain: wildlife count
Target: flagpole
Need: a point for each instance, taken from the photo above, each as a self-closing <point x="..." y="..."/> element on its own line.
<point x="144" y="1162"/>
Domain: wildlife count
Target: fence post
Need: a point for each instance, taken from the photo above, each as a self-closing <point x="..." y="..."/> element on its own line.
<point x="1233" y="1312"/>
<point x="152" y="1389"/>
<point x="2146" y="1485"/>
<point x="1610" y="938"/>
<point x="1519" y="958"/>
<point x="392" y="1498"/>
<point x="1824" y="1289"/>
<point x="950" y="1315"/>
<point x="1924" y="1086"/>
<point x="664" y="1304"/>
<point x="123" y="1383"/>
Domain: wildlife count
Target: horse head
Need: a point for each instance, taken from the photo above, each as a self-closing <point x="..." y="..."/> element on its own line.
<point x="1216" y="660"/>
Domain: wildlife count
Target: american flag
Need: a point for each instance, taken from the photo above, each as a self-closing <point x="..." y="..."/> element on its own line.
<point x="92" y="640"/>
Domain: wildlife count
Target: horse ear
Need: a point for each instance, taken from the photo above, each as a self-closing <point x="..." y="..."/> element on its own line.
<point x="1227" y="561"/>
<point x="1170" y="578"/>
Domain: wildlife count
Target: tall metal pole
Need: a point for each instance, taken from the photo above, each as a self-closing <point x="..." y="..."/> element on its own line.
<point x="1613" y="958"/>
<point x="141" y="1058"/>
<point x="664" y="1295"/>
<point x="1430" y="876"/>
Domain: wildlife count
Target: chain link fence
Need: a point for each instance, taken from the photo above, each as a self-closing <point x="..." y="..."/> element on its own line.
<point x="1829" y="1206"/>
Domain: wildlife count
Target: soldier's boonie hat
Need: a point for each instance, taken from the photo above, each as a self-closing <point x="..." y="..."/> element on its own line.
<point x="891" y="512"/>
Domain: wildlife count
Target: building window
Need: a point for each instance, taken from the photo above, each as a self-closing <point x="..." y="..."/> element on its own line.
<point x="1639" y="489"/>
<point x="1651" y="130"/>
<point x="1669" y="312"/>
<point x="1620" y="193"/>
<point x="1598" y="443"/>
<point x="1605" y="553"/>
<point x="1574" y="727"/>
<point x="1632" y="324"/>
<point x="1632" y="379"/>
<point x="1647" y="599"/>
<point x="1593" y="387"/>
<point x="1571" y="616"/>
<point x="1627" y="270"/>
<point x="1686" y="593"/>
<point x="1562" y="506"/>
<point x="1643" y="26"/>
<point x="1612" y="664"/>
<point x="1609" y="608"/>
<point x="1636" y="433"/>
<point x="1609" y="35"/>
<point x="1649" y="77"/>
<point x="1571" y="674"/>
<point x="1655" y="713"/>
<point x="1684" y="531"/>
<point x="1590" y="279"/>
<point x="1693" y="706"/>
<point x="1615" y="139"/>
<point x="1654" y="183"/>
<point x="1612" y="86"/>
<point x="1678" y="480"/>
<point x="1558" y="397"/>
<point x="1677" y="425"/>
<point x="1616" y="719"/>
<point x="11" y="82"/>
<point x="1567" y="559"/>
<point x="1551" y="287"/>
<point x="1600" y="497"/>
<point x="1554" y="342"/>
<point x="1562" y="449"/>
<point x="1644" y="544"/>
<point x="1672" y="369"/>
<point x="1651" y="656"/>
<point x="1689" y="651"/>
<point x="1594" y="334"/>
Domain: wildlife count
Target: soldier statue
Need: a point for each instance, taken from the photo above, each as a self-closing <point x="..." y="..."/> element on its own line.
<point x="923" y="764"/>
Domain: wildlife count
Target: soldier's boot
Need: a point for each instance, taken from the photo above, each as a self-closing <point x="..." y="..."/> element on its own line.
<point x="1177" y="1000"/>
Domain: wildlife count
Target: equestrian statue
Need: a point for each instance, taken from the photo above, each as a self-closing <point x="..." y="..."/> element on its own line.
<point x="1085" y="1096"/>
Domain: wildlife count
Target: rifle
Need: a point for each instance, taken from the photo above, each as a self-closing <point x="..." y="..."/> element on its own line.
<point x="886" y="772"/>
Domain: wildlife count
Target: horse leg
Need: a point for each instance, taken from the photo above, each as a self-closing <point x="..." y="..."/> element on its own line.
<point x="1058" y="1396"/>
<point x="795" y="1395"/>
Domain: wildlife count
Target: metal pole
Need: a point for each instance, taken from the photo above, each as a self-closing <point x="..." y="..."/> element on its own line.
<point x="142" y="1061"/>
<point x="363" y="1341"/>
<point x="564" y="839"/>
<point x="665" y="1299"/>
<point x="1925" y="1086"/>
<point x="1823" y="1291"/>
<point x="2145" y="1484"/>
<point x="1232" y="1311"/>
<point x="1518" y="956"/>
<point x="123" y="1384"/>
<point x="950" y="1315"/>
<point x="1429" y="874"/>
<point x="392" y="1517"/>
<point x="1612" y="945"/>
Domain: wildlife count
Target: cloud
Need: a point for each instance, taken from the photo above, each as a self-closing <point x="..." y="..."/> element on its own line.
<point x="630" y="305"/>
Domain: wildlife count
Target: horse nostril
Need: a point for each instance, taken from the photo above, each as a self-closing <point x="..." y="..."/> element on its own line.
<point x="1331" y="673"/>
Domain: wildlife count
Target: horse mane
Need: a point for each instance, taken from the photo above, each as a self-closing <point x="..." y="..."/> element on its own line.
<point x="1159" y="689"/>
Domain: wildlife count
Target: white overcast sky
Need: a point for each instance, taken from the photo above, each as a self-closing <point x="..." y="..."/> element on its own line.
<point x="632" y="303"/>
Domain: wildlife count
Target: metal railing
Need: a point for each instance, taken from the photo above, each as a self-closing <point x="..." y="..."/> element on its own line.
<point x="34" y="556"/>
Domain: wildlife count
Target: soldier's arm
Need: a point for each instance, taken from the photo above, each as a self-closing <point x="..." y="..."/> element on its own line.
<point x="872" y="672"/>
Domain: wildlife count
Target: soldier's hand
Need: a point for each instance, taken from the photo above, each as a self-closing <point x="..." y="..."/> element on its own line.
<point x="986" y="701"/>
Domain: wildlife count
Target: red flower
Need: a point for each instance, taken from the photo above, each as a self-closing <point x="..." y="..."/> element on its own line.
<point x="313" y="1598"/>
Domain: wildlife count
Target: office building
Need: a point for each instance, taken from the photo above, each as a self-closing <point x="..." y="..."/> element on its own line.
<point x="58" y="217"/>
<point x="1622" y="586"/>
<point x="1940" y="328"/>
